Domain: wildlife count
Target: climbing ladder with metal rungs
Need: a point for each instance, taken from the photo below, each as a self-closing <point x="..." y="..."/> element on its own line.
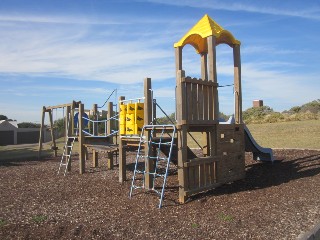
<point x="67" y="149"/>
<point x="160" y="136"/>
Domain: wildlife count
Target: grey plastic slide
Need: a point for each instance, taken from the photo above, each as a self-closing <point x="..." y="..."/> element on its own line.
<point x="259" y="153"/>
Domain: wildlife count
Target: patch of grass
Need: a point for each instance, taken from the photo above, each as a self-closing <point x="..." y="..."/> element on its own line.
<point x="194" y="225"/>
<point x="299" y="134"/>
<point x="39" y="218"/>
<point x="23" y="151"/>
<point x="2" y="222"/>
<point x="225" y="217"/>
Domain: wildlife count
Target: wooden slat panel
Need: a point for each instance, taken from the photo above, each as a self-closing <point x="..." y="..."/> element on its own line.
<point x="191" y="178"/>
<point x="208" y="173"/>
<point x="212" y="173"/>
<point x="210" y="102"/>
<point x="195" y="101"/>
<point x="200" y="102"/>
<point x="199" y="161"/>
<point x="190" y="101"/>
<point x="200" y="81"/>
<point x="196" y="176"/>
<point x="202" y="176"/>
<point x="205" y="103"/>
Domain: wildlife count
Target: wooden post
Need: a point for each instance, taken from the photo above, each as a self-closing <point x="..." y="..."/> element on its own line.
<point x="41" y="131"/>
<point x="204" y="66"/>
<point x="237" y="83"/>
<point x="95" y="117"/>
<point x="211" y="40"/>
<point x="52" y="133"/>
<point x="81" y="140"/>
<point x="110" y="123"/>
<point x="122" y="153"/>
<point x="148" y="103"/>
<point x="72" y="116"/>
<point x="68" y="132"/>
<point x="181" y="105"/>
<point x="95" y="133"/>
<point x="178" y="56"/>
<point x="110" y="160"/>
<point x="95" y="155"/>
<point x="182" y="157"/>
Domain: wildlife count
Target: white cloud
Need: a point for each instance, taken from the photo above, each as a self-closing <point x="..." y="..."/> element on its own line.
<point x="254" y="7"/>
<point x="62" y="52"/>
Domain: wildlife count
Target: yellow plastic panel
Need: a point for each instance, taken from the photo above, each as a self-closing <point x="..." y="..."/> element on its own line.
<point x="130" y="129"/>
<point x="122" y="118"/>
<point x="139" y="107"/>
<point x="123" y="109"/>
<point x="122" y="129"/>
<point x="139" y="118"/>
<point x="138" y="128"/>
<point x="130" y="118"/>
<point x="131" y="108"/>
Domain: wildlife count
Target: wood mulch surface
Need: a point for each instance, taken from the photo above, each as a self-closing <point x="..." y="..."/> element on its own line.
<point x="274" y="201"/>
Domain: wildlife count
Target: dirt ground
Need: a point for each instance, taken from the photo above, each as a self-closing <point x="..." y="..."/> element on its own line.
<point x="277" y="201"/>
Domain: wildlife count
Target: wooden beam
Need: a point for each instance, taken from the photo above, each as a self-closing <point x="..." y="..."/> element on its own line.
<point x="148" y="104"/>
<point x="68" y="132"/>
<point x="122" y="153"/>
<point x="237" y="83"/>
<point x="41" y="131"/>
<point x="63" y="105"/>
<point x="52" y="134"/>
<point x="95" y="117"/>
<point x="212" y="66"/>
<point x="181" y="91"/>
<point x="182" y="157"/>
<point x="178" y="56"/>
<point x="204" y="66"/>
<point x="110" y="123"/>
<point x="81" y="140"/>
<point x="95" y="155"/>
<point x="110" y="160"/>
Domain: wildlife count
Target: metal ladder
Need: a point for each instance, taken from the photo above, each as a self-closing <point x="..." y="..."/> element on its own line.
<point x="161" y="162"/>
<point x="67" y="149"/>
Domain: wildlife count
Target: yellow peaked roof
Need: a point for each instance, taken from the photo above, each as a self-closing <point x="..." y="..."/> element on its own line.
<point x="204" y="28"/>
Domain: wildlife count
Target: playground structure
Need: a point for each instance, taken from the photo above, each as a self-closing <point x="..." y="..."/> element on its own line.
<point x="83" y="126"/>
<point x="197" y="111"/>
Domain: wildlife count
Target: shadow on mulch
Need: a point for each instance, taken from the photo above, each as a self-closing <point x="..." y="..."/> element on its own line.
<point x="265" y="174"/>
<point x="32" y="156"/>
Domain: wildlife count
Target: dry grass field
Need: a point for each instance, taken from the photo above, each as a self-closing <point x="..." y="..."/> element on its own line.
<point x="302" y="134"/>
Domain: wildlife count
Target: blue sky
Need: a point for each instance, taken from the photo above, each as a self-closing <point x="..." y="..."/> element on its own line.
<point x="53" y="52"/>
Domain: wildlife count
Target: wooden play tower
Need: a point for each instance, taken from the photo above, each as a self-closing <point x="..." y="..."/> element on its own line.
<point x="197" y="110"/>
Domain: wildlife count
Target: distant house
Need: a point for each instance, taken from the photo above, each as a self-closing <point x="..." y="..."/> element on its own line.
<point x="8" y="131"/>
<point x="11" y="134"/>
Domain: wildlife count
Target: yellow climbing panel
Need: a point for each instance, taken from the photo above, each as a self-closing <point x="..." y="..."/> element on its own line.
<point x="131" y="118"/>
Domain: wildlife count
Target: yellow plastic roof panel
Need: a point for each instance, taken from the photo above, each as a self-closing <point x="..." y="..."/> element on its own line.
<point x="206" y="27"/>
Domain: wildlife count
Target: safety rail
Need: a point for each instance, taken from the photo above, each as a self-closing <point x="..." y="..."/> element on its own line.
<point x="95" y="127"/>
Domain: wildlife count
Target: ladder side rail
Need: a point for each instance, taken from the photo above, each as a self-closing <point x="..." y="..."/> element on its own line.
<point x="65" y="147"/>
<point x="136" y="164"/>
<point x="69" y="156"/>
<point x="167" y="168"/>
<point x="157" y="159"/>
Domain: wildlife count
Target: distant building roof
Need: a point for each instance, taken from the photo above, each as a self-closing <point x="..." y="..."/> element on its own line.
<point x="13" y="123"/>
